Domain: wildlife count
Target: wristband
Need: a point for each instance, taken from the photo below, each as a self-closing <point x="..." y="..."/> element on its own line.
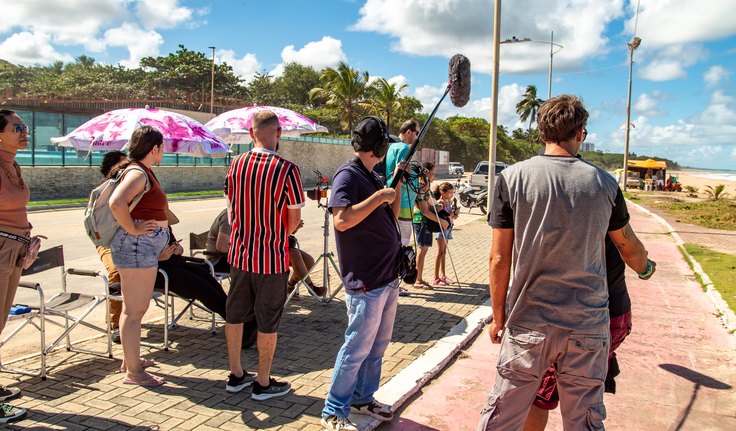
<point x="648" y="271"/>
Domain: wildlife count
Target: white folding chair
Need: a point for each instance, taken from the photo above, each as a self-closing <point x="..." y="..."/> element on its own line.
<point x="66" y="310"/>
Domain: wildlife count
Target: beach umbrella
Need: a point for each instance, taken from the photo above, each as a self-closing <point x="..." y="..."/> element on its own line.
<point x="112" y="131"/>
<point x="233" y="125"/>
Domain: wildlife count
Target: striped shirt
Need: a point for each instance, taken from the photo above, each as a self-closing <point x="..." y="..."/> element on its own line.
<point x="260" y="187"/>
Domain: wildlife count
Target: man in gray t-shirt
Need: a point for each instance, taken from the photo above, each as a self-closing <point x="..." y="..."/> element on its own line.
<point x="552" y="213"/>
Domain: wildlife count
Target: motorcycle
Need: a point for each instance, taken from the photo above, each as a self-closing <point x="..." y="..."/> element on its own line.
<point x="471" y="197"/>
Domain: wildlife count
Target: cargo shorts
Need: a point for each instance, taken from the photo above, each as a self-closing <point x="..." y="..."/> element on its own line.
<point x="581" y="357"/>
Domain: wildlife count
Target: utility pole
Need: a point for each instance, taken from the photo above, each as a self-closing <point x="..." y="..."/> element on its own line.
<point x="212" y="87"/>
<point x="635" y="42"/>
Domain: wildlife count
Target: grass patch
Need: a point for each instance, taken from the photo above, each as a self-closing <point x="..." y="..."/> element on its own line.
<point x="57" y="202"/>
<point x="720" y="267"/>
<point x="83" y="201"/>
<point x="634" y="197"/>
<point x="720" y="214"/>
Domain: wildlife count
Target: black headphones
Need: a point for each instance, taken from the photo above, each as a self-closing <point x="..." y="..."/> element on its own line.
<point x="381" y="148"/>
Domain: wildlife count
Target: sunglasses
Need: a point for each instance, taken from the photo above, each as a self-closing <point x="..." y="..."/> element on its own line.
<point x="20" y="128"/>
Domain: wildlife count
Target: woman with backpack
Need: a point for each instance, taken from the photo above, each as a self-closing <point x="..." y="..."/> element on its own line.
<point x="15" y="233"/>
<point x="143" y="234"/>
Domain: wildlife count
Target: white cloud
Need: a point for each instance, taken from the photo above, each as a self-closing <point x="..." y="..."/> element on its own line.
<point x="648" y="104"/>
<point x="663" y="23"/>
<point x="326" y="52"/>
<point x="163" y="13"/>
<point x="139" y="42"/>
<point x="508" y="97"/>
<point x="77" y="22"/>
<point x="715" y="75"/>
<point x="696" y="141"/>
<point x="398" y="80"/>
<point x="245" y="67"/>
<point x="447" y="27"/>
<point x="29" y="49"/>
<point x="668" y="63"/>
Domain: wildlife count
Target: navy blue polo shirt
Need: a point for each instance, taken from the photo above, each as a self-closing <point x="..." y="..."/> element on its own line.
<point x="368" y="252"/>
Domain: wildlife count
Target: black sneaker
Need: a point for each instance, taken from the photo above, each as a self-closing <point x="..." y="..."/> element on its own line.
<point x="236" y="384"/>
<point x="274" y="389"/>
<point x="7" y="394"/>
<point x="115" y="336"/>
<point x="9" y="413"/>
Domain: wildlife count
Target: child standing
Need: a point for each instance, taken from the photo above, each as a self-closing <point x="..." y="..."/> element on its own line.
<point x="443" y="194"/>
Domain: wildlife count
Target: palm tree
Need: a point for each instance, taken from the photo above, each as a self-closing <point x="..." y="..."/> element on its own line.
<point x="385" y="99"/>
<point x="343" y="88"/>
<point x="527" y="108"/>
<point x="716" y="192"/>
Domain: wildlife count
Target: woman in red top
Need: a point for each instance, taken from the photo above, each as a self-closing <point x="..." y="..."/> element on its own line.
<point x="142" y="235"/>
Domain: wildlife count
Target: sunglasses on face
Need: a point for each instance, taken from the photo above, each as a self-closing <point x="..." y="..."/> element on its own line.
<point x="20" y="128"/>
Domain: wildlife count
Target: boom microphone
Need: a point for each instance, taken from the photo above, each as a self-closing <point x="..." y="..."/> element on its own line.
<point x="458" y="85"/>
<point x="458" y="77"/>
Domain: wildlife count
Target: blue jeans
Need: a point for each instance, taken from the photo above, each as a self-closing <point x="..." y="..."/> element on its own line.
<point x="357" y="372"/>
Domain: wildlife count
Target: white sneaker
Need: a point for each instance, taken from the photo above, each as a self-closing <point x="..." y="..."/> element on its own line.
<point x="374" y="409"/>
<point x="338" y="423"/>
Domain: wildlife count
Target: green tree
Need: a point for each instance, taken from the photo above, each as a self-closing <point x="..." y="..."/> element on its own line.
<point x="527" y="108"/>
<point x="385" y="99"/>
<point x="187" y="74"/>
<point x="294" y="84"/>
<point x="343" y="88"/>
<point x="262" y="90"/>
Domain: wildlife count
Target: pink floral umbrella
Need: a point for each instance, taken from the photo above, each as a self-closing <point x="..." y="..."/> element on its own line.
<point x="112" y="131"/>
<point x="233" y="125"/>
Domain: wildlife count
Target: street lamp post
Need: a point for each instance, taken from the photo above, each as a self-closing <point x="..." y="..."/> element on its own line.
<point x="635" y="42"/>
<point x="494" y="101"/>
<point x="552" y="52"/>
<point x="212" y="86"/>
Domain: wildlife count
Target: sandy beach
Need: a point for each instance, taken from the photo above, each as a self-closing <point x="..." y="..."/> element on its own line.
<point x="701" y="179"/>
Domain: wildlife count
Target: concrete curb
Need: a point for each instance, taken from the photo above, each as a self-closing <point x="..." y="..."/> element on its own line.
<point x="725" y="313"/>
<point x="423" y="369"/>
<point x="67" y="206"/>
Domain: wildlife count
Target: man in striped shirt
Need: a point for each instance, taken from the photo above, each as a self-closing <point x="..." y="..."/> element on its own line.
<point x="265" y="197"/>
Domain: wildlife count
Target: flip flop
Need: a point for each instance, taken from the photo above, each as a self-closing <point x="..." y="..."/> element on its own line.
<point x="440" y="282"/>
<point x="151" y="381"/>
<point x="145" y="363"/>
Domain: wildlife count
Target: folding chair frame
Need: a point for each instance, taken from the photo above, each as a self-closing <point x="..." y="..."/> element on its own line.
<point x="45" y="314"/>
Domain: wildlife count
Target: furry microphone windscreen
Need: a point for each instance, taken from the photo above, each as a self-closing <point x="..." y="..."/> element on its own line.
<point x="458" y="75"/>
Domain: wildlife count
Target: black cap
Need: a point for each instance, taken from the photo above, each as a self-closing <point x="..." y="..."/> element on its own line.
<point x="367" y="135"/>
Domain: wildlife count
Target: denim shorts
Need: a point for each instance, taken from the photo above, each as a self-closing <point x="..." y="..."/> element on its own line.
<point x="138" y="251"/>
<point x="448" y="234"/>
<point x="422" y="235"/>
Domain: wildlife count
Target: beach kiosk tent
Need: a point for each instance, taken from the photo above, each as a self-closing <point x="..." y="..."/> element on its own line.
<point x="641" y="167"/>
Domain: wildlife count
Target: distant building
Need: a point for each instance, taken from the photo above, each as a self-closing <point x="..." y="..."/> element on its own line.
<point x="588" y="146"/>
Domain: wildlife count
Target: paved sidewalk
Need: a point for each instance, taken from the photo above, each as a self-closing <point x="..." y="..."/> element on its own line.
<point x="678" y="366"/>
<point x="83" y="392"/>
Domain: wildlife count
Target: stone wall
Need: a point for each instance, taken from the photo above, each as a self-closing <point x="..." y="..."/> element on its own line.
<point x="54" y="182"/>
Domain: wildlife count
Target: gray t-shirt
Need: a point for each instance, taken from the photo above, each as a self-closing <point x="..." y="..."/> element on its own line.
<point x="560" y="208"/>
<point x="221" y="224"/>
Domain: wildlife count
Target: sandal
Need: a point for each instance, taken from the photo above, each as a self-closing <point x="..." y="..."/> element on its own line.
<point x="150" y="381"/>
<point x="423" y="285"/>
<point x="318" y="290"/>
<point x="446" y="280"/>
<point x="403" y="291"/>
<point x="145" y="363"/>
<point x="440" y="282"/>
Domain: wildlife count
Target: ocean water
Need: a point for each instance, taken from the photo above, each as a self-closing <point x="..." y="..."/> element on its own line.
<point x="723" y="175"/>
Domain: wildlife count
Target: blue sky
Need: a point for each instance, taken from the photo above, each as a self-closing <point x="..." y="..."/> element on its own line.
<point x="683" y="104"/>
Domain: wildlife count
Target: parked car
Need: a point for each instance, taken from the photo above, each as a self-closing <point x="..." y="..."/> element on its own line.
<point x="456" y="168"/>
<point x="479" y="178"/>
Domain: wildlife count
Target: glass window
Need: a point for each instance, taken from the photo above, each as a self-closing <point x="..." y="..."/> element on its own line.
<point x="47" y="125"/>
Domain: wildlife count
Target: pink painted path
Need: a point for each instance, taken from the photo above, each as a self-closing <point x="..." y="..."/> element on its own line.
<point x="678" y="366"/>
